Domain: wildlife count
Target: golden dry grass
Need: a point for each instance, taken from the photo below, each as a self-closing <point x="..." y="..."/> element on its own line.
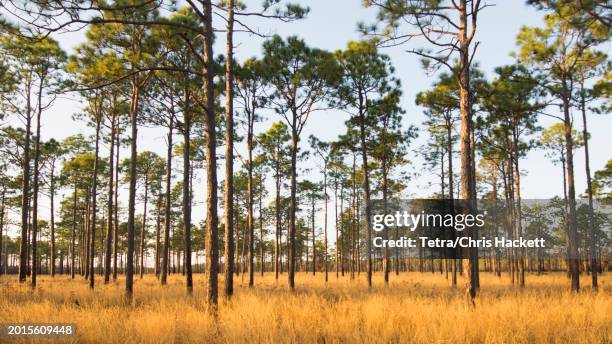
<point x="414" y="308"/>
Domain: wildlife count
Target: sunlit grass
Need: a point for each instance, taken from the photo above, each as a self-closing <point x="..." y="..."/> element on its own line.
<point x="415" y="307"/>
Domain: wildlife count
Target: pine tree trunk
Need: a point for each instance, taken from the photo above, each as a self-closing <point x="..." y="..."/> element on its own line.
<point x="592" y="236"/>
<point x="111" y="188"/>
<point x="34" y="235"/>
<point x="25" y="193"/>
<point x="73" y="240"/>
<point x="52" y="216"/>
<point x="129" y="269"/>
<point x="143" y="230"/>
<point x="116" y="208"/>
<point x="229" y="154"/>
<point x="168" y="203"/>
<point x="187" y="191"/>
<point x="212" y="240"/>
<point x="572" y="244"/>
<point x="94" y="209"/>
<point x="293" y="205"/>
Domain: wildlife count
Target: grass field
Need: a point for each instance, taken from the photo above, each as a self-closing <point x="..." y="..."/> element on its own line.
<point x="414" y="308"/>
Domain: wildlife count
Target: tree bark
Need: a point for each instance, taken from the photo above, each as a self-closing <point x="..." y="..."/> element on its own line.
<point x="143" y="230"/>
<point x="94" y="191"/>
<point x="168" y="203"/>
<point x="34" y="235"/>
<point x="592" y="235"/>
<point x="572" y="244"/>
<point x="229" y="155"/>
<point x="187" y="190"/>
<point x="129" y="269"/>
<point x="212" y="240"/>
<point x="111" y="189"/>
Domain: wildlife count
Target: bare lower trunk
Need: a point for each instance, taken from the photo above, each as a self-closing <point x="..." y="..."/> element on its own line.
<point x="293" y="205"/>
<point x="592" y="236"/>
<point x="229" y="156"/>
<point x="572" y="244"/>
<point x="129" y="269"/>
<point x="111" y="188"/>
<point x="94" y="203"/>
<point x="212" y="240"/>
<point x="168" y="204"/>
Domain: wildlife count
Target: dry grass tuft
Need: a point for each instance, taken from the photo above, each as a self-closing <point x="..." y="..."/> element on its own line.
<point x="414" y="308"/>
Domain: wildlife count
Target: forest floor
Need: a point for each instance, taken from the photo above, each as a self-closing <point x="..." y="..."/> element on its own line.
<point x="414" y="308"/>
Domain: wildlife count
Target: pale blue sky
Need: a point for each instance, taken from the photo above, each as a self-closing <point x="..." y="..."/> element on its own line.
<point x="330" y="24"/>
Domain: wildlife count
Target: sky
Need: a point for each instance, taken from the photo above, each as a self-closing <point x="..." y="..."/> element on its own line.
<point x="330" y="25"/>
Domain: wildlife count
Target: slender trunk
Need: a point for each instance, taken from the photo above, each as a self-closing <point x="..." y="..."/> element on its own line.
<point x="34" y="235"/>
<point x="168" y="202"/>
<point x="366" y="190"/>
<point x="451" y="196"/>
<point x="325" y="199"/>
<point x="261" y="232"/>
<point x="94" y="194"/>
<point x="116" y="208"/>
<point x="517" y="202"/>
<point x="2" y="261"/>
<point x="212" y="240"/>
<point x="52" y="216"/>
<point x="111" y="189"/>
<point x="158" y="233"/>
<point x="572" y="244"/>
<point x="314" y="251"/>
<point x="337" y="226"/>
<point x="250" y="195"/>
<point x="72" y="252"/>
<point x="385" y="192"/>
<point x="143" y="230"/>
<point x="229" y="155"/>
<point x="277" y="213"/>
<point x="187" y="190"/>
<point x="250" y="222"/>
<point x="592" y="236"/>
<point x="293" y="205"/>
<point x="25" y="192"/>
<point x="129" y="269"/>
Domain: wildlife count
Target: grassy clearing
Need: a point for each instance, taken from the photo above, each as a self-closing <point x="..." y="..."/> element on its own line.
<point x="414" y="308"/>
